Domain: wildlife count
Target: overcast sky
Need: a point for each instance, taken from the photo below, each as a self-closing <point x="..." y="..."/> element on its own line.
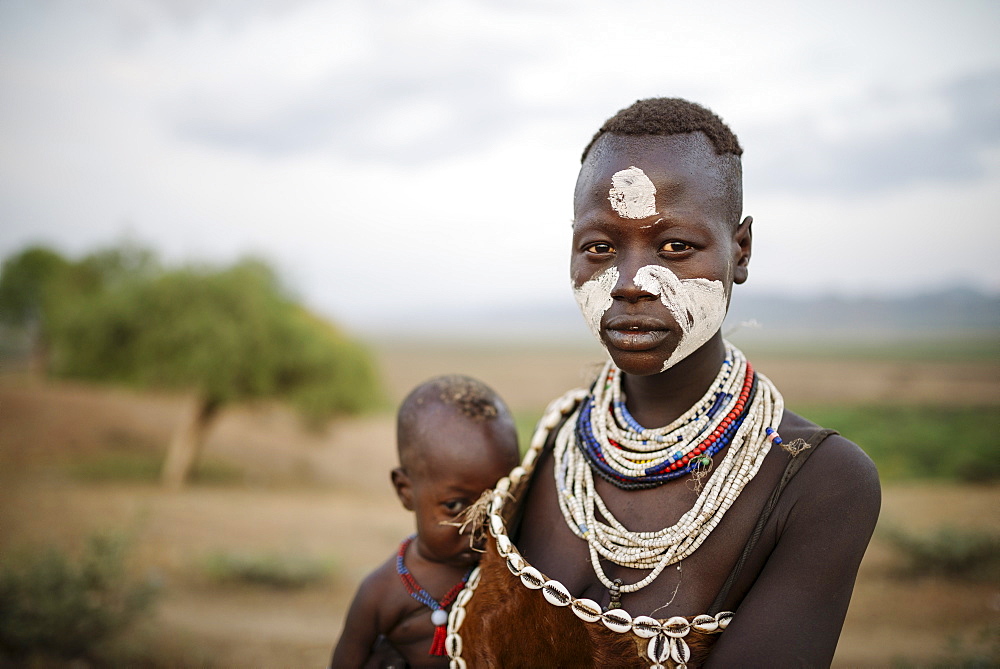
<point x="420" y="156"/>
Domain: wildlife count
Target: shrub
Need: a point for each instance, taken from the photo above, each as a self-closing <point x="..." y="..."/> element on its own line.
<point x="274" y="571"/>
<point x="54" y="605"/>
<point x="979" y="649"/>
<point x="948" y="552"/>
<point x="126" y="467"/>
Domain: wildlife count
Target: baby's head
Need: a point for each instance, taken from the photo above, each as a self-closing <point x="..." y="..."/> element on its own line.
<point x="456" y="438"/>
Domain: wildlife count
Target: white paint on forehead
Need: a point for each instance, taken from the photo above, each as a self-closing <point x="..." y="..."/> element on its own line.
<point x="594" y="298"/>
<point x="698" y="306"/>
<point x="632" y="194"/>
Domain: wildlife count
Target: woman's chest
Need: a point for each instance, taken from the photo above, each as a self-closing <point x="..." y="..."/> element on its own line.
<point x="661" y="588"/>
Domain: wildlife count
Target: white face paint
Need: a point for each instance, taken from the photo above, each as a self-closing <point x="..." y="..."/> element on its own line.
<point x="632" y="194"/>
<point x="698" y="306"/>
<point x="594" y="298"/>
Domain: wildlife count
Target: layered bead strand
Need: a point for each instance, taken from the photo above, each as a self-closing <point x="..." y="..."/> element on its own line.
<point x="665" y="640"/>
<point x="740" y="411"/>
<point x="633" y="457"/>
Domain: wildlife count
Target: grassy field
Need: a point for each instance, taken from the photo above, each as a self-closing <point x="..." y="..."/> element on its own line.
<point x="255" y="563"/>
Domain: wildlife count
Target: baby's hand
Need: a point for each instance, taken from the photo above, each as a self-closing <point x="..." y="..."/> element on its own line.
<point x="384" y="656"/>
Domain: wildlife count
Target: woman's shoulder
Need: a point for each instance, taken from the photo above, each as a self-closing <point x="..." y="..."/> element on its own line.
<point x="838" y="469"/>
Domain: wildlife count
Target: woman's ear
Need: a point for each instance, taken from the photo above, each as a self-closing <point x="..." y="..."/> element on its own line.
<point x="743" y="241"/>
<point x="404" y="487"/>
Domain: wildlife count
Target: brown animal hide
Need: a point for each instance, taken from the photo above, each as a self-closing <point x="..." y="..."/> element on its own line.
<point x="507" y="625"/>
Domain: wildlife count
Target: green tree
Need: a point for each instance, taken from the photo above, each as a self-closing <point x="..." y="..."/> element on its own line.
<point x="38" y="285"/>
<point x="31" y="287"/>
<point x="226" y="335"/>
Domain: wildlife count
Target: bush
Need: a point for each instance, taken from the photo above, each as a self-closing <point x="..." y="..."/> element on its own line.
<point x="274" y="571"/>
<point x="948" y="552"/>
<point x="979" y="649"/>
<point x="126" y="467"/>
<point x="61" y="607"/>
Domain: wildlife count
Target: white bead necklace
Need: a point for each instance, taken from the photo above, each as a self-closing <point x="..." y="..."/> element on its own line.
<point x="586" y="513"/>
<point x="665" y="639"/>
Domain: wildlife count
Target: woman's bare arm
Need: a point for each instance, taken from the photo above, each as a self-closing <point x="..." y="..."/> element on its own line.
<point x="793" y="614"/>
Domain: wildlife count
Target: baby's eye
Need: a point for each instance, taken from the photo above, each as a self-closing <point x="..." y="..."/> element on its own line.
<point x="675" y="247"/>
<point x="455" y="506"/>
<point x="599" y="248"/>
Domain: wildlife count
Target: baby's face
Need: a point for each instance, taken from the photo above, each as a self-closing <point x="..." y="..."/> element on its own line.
<point x="454" y="475"/>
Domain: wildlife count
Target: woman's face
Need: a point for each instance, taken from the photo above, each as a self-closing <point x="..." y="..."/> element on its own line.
<point x="656" y="248"/>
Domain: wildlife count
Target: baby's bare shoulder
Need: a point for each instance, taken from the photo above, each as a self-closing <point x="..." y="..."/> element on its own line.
<point x="382" y="594"/>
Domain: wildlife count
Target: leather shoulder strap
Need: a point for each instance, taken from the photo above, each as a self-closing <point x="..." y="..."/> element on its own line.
<point x="795" y="462"/>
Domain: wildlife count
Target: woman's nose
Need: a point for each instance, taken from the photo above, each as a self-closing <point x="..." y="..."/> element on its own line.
<point x="626" y="288"/>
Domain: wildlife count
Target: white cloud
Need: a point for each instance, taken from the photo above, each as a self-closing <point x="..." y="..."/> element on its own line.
<point x="387" y="153"/>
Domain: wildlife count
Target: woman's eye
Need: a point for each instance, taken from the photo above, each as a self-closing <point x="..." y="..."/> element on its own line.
<point x="675" y="247"/>
<point x="600" y="248"/>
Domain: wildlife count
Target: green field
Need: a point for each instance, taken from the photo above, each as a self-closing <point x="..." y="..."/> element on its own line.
<point x="921" y="442"/>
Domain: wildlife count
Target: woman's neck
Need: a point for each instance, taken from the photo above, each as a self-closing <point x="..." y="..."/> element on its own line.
<point x="659" y="399"/>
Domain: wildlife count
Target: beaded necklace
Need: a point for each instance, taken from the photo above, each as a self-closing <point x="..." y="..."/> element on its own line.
<point x="740" y="410"/>
<point x="439" y="615"/>
<point x="665" y="640"/>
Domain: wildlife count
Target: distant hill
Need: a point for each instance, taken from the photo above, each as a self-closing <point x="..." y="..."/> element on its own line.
<point x="945" y="312"/>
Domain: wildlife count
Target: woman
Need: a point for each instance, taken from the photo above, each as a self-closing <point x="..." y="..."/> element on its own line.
<point x="674" y="512"/>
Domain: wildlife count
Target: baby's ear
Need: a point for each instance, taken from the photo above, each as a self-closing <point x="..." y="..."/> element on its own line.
<point x="404" y="488"/>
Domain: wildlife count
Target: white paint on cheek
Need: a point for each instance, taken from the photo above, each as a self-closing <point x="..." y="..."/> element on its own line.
<point x="632" y="194"/>
<point x="594" y="298"/>
<point x="698" y="306"/>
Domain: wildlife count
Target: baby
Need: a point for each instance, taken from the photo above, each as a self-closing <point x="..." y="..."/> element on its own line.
<point x="455" y="438"/>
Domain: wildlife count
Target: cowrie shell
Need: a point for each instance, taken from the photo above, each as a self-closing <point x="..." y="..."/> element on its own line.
<point x="556" y="593"/>
<point x="529" y="459"/>
<point x="456" y="663"/>
<point x="567" y="403"/>
<point x="456" y="618"/>
<point x="617" y="620"/>
<point x="532" y="578"/>
<point x="679" y="651"/>
<point x="502" y="486"/>
<point x="646" y="627"/>
<point x="515" y="563"/>
<point x="516" y="474"/>
<point x="473" y="579"/>
<point x="705" y="623"/>
<point x="463" y="597"/>
<point x="496" y="524"/>
<point x="676" y="627"/>
<point x="550" y="420"/>
<point x="723" y="618"/>
<point x="496" y="503"/>
<point x="586" y="610"/>
<point x="453" y="645"/>
<point x="658" y="649"/>
<point x="504" y="547"/>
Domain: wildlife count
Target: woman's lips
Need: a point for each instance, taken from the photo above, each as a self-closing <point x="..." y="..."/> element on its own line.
<point x="634" y="333"/>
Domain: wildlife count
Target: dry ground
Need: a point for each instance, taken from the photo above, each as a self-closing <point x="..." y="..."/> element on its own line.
<point x="326" y="495"/>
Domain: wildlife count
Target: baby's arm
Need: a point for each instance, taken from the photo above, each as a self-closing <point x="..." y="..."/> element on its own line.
<point x="362" y="626"/>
